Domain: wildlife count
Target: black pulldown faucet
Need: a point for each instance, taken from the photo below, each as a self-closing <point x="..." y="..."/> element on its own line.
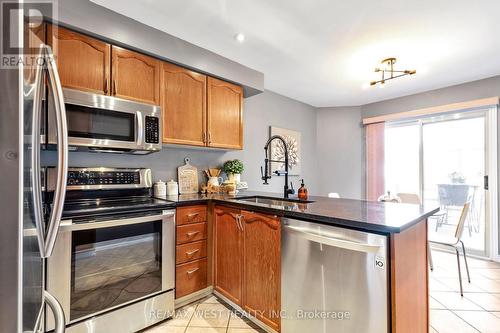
<point x="266" y="175"/>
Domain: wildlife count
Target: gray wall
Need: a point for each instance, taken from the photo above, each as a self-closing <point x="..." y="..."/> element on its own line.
<point x="260" y="112"/>
<point x="340" y="151"/>
<point x="463" y="92"/>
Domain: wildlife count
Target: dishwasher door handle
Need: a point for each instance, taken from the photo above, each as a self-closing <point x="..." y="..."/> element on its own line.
<point x="330" y="241"/>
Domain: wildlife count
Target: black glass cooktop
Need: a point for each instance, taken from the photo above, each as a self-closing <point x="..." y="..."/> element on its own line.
<point x="98" y="206"/>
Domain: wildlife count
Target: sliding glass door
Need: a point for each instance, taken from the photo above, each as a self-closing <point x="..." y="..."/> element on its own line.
<point x="444" y="160"/>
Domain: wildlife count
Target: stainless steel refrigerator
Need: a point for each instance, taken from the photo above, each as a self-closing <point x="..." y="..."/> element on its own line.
<point x="27" y="230"/>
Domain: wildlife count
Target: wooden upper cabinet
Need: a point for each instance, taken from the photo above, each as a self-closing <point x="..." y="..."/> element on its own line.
<point x="225" y="114"/>
<point x="82" y="62"/>
<point x="262" y="267"/>
<point x="183" y="103"/>
<point x="33" y="37"/>
<point x="135" y="76"/>
<point x="228" y="256"/>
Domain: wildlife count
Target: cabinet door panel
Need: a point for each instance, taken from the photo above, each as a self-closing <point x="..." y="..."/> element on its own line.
<point x="135" y="76"/>
<point x="225" y="114"/>
<point x="82" y="61"/>
<point x="228" y="246"/>
<point x="183" y="103"/>
<point x="262" y="267"/>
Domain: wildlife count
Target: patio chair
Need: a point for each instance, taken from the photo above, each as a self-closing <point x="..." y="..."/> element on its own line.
<point x="455" y="242"/>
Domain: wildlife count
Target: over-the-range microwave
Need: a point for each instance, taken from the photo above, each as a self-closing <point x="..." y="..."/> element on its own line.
<point x="103" y="123"/>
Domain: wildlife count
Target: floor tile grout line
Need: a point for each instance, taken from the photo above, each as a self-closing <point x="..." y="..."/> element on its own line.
<point x="474" y="327"/>
<point x="479" y="304"/>
<point x="433" y="328"/>
<point x="192" y="315"/>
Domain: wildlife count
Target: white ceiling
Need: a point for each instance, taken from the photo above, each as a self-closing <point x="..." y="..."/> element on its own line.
<point x="322" y="52"/>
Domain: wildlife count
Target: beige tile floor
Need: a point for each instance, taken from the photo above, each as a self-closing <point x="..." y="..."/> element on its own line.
<point x="477" y="311"/>
<point x="209" y="315"/>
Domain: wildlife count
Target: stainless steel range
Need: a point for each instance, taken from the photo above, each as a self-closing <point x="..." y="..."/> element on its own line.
<point x="113" y="265"/>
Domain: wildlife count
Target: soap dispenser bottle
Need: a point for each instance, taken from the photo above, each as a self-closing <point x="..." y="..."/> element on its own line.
<point x="302" y="191"/>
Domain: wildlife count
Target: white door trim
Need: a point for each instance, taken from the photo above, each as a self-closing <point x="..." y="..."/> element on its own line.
<point x="492" y="173"/>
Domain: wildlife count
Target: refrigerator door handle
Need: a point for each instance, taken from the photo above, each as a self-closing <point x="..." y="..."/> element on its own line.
<point x="62" y="152"/>
<point x="35" y="157"/>
<point x="331" y="241"/>
<point x="57" y="310"/>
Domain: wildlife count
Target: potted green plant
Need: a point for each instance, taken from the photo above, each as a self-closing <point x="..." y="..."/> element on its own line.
<point x="233" y="170"/>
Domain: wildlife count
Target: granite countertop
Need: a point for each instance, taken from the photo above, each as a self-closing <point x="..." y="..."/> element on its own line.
<point x="362" y="215"/>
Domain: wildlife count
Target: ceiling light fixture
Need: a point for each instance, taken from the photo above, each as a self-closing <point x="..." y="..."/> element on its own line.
<point x="389" y="72"/>
<point x="239" y="37"/>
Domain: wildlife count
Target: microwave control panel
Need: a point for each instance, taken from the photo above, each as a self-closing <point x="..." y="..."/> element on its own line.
<point x="152" y="134"/>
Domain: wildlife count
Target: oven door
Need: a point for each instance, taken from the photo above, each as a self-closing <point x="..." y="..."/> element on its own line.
<point x="100" y="266"/>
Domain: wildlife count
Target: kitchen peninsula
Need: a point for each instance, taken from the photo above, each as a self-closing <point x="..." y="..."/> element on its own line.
<point x="246" y="234"/>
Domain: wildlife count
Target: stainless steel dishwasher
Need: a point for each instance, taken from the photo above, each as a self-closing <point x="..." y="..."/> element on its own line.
<point x="333" y="279"/>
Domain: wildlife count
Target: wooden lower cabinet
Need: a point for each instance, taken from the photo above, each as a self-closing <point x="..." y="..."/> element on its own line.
<point x="228" y="254"/>
<point x="262" y="267"/>
<point x="190" y="277"/>
<point x="248" y="262"/>
<point x="191" y="232"/>
<point x="191" y="270"/>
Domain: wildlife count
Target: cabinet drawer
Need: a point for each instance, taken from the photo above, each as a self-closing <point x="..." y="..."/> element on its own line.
<point x="190" y="277"/>
<point x="190" y="251"/>
<point x="191" y="232"/>
<point x="191" y="214"/>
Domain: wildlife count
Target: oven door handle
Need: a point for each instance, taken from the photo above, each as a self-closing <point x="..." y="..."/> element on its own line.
<point x="70" y="226"/>
<point x="57" y="310"/>
<point x="62" y="152"/>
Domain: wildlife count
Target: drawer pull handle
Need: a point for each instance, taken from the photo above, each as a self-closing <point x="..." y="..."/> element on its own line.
<point x="192" y="216"/>
<point x="190" y="253"/>
<point x="192" y="234"/>
<point x="192" y="271"/>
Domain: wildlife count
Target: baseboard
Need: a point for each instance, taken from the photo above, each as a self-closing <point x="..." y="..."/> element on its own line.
<point x="197" y="295"/>
<point x="246" y="314"/>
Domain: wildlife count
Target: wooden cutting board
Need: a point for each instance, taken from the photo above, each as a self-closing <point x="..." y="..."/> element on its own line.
<point x="188" y="178"/>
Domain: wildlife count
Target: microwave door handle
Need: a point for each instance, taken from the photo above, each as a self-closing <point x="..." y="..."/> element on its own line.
<point x="140" y="128"/>
<point x="62" y="152"/>
<point x="35" y="157"/>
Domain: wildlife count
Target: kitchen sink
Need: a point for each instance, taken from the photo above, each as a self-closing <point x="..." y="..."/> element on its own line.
<point x="274" y="201"/>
